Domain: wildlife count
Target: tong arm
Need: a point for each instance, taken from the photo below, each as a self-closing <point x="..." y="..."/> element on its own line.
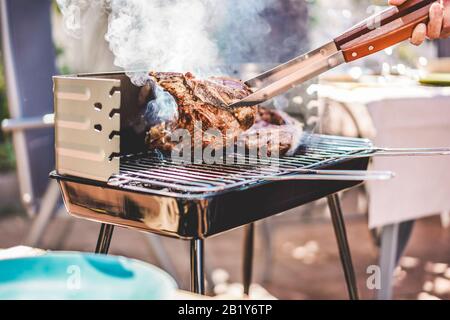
<point x="383" y="30"/>
<point x="396" y="152"/>
<point x="332" y="175"/>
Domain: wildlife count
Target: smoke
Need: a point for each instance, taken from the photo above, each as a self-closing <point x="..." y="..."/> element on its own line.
<point x="177" y="35"/>
<point x="239" y="29"/>
<point x="162" y="109"/>
<point x="160" y="35"/>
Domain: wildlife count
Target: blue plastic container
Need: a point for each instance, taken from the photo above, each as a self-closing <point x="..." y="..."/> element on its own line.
<point x="69" y="275"/>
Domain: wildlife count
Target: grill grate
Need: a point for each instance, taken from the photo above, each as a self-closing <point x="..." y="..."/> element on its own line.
<point x="151" y="173"/>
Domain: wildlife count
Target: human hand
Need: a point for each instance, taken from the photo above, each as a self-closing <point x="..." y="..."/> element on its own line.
<point x="438" y="26"/>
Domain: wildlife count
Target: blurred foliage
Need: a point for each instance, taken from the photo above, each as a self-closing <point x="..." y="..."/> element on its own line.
<point x="3" y="101"/>
<point x="55" y="6"/>
<point x="62" y="66"/>
<point x="7" y="159"/>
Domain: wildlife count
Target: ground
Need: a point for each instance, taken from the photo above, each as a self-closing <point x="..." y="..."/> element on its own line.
<point x="305" y="261"/>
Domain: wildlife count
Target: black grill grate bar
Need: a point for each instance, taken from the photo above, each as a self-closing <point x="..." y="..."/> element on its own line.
<point x="149" y="172"/>
<point x="173" y="173"/>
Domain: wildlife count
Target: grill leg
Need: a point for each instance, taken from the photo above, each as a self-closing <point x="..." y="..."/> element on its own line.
<point x="394" y="239"/>
<point x="344" y="249"/>
<point x="388" y="261"/>
<point x="247" y="268"/>
<point x="104" y="238"/>
<point x="197" y="270"/>
<point x="266" y="238"/>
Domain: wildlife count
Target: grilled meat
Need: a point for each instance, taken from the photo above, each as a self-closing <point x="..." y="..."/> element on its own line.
<point x="274" y="133"/>
<point x="204" y="102"/>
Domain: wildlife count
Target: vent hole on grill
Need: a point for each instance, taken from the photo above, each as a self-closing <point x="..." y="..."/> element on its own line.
<point x="114" y="133"/>
<point x="113" y="112"/>
<point x="113" y="155"/>
<point x="98" y="127"/>
<point x="113" y="90"/>
<point x="98" y="106"/>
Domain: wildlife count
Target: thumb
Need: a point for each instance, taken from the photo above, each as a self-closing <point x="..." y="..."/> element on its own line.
<point x="397" y="2"/>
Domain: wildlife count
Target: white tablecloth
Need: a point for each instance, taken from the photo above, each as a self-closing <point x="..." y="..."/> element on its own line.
<point x="405" y="116"/>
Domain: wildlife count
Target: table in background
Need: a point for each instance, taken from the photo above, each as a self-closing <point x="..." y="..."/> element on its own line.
<point x="402" y="115"/>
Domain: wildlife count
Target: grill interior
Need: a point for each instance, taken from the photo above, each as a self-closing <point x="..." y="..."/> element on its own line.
<point x="152" y="173"/>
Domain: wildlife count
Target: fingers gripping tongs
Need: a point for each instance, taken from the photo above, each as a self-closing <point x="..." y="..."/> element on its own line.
<point x="378" y="32"/>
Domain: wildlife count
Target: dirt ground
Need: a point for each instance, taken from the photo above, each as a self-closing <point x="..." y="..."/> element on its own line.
<point x="304" y="263"/>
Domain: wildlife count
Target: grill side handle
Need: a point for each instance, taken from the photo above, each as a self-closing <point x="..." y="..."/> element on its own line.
<point x="87" y="120"/>
<point x="332" y="175"/>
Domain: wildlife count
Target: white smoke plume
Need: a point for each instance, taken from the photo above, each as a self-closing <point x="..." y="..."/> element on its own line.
<point x="160" y="35"/>
<point x="176" y="35"/>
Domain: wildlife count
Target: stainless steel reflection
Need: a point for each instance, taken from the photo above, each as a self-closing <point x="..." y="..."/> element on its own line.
<point x="282" y="78"/>
<point x="114" y="207"/>
<point x="281" y="71"/>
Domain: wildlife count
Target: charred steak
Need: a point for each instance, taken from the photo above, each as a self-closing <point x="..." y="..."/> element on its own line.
<point x="202" y="102"/>
<point x="205" y="102"/>
<point x="274" y="133"/>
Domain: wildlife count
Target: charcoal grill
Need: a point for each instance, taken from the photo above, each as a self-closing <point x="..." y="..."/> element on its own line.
<point x="196" y="201"/>
<point x="105" y="176"/>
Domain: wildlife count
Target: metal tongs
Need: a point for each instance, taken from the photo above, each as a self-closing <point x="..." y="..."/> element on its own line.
<point x="354" y="175"/>
<point x="376" y="33"/>
<point x="328" y="175"/>
<point x="395" y="152"/>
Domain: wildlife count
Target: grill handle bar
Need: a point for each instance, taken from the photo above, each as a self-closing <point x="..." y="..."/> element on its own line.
<point x="332" y="175"/>
<point x="331" y="172"/>
<point x="396" y="152"/>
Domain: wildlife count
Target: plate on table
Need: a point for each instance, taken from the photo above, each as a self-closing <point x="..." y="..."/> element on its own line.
<point x="436" y="79"/>
<point x="75" y="276"/>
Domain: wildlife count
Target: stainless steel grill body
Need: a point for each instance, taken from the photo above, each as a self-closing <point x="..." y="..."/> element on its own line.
<point x="154" y="194"/>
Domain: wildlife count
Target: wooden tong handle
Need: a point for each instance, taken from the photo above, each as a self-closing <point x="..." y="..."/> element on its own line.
<point x="379" y="20"/>
<point x="383" y="30"/>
